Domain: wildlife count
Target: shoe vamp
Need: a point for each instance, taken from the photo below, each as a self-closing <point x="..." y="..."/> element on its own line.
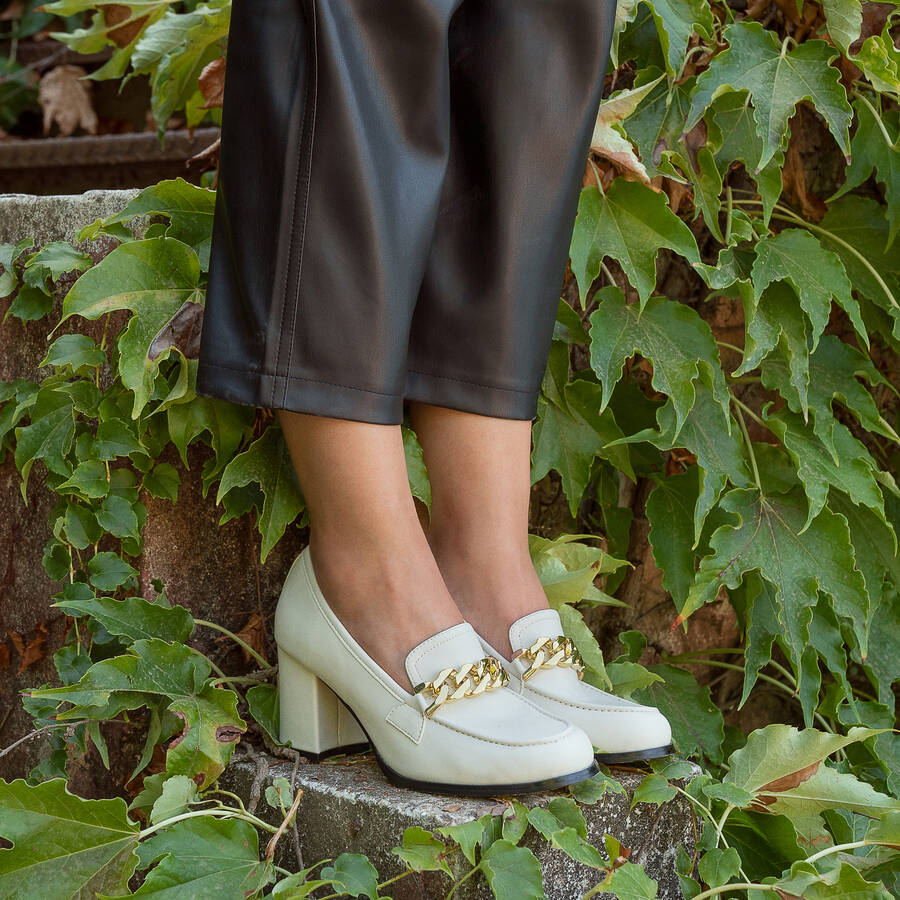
<point x="565" y="686"/>
<point x="501" y="716"/>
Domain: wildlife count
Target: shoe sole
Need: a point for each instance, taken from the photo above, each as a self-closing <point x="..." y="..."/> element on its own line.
<point x="485" y="790"/>
<point x="467" y="790"/>
<point x="634" y="755"/>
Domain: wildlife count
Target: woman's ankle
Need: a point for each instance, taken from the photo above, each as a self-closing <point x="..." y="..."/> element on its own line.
<point x="390" y="598"/>
<point x="492" y="586"/>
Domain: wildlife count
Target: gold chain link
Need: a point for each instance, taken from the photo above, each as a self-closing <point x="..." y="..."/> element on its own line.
<point x="547" y="652"/>
<point x="469" y="681"/>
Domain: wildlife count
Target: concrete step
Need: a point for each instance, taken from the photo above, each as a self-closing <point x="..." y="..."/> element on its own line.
<point x="348" y="806"/>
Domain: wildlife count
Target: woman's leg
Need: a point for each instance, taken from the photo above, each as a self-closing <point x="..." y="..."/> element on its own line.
<point x="479" y="467"/>
<point x="369" y="553"/>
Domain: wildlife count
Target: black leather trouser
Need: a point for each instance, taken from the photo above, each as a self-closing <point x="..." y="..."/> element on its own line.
<point x="398" y="186"/>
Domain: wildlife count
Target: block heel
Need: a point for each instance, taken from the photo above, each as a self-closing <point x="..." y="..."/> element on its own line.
<point x="312" y="718"/>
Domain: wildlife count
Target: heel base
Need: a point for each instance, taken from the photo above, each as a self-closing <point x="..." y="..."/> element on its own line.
<point x="313" y="720"/>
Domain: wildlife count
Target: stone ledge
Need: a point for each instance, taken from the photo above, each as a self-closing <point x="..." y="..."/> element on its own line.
<point x="349" y="806"/>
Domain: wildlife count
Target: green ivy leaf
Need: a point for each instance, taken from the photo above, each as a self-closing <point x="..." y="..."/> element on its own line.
<point x="718" y="866"/>
<point x="117" y="516"/>
<point x="631" y="223"/>
<point x="355" y="874"/>
<point x="594" y="789"/>
<point x="833" y="371"/>
<point x="212" y="728"/>
<point x="816" y="273"/>
<point x="676" y="23"/>
<point x="708" y="434"/>
<point x="874" y="148"/>
<point x="162" y="482"/>
<point x="56" y="259"/>
<point x="670" y="511"/>
<point x="262" y="703"/>
<point x="778" y="762"/>
<point x="766" y="843"/>
<point x="732" y="129"/>
<point x="468" y="835"/>
<point x="226" y="424"/>
<point x="415" y="467"/>
<point x="730" y="793"/>
<point x="82" y="528"/>
<point x="567" y="569"/>
<point x="776" y="320"/>
<point x="88" y="480"/>
<point x="151" y="673"/>
<point x="178" y="792"/>
<point x="31" y="303"/>
<point x="654" y="789"/>
<point x="671" y="335"/>
<point x="108" y="571"/>
<point x="134" y="617"/>
<point x="777" y="81"/>
<point x="856" y="229"/>
<point x="628" y="677"/>
<point x="203" y="857"/>
<point x="422" y="851"/>
<point x="63" y="845"/>
<point x="115" y="438"/>
<point x="75" y="350"/>
<point x="512" y="872"/>
<point x="767" y="538"/>
<point x="630" y="882"/>
<point x="48" y="437"/>
<point x="188" y="208"/>
<point x="568" y="440"/>
<point x="574" y="627"/>
<point x="697" y="725"/>
<point x="175" y="50"/>
<point x="267" y="463"/>
<point x="152" y="278"/>
<point x="818" y="471"/>
<point x="71" y="662"/>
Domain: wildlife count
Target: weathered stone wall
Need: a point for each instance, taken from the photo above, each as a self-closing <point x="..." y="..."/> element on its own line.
<point x="213" y="571"/>
<point x="348" y="805"/>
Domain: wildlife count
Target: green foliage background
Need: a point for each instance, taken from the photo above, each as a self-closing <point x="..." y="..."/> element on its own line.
<point x="772" y="466"/>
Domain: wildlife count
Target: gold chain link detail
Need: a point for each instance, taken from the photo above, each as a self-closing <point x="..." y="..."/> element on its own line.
<point x="469" y="681"/>
<point x="547" y="652"/>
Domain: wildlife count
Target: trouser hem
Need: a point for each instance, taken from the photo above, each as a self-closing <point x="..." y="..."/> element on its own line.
<point x="469" y="396"/>
<point x="340" y="401"/>
<point x="297" y="394"/>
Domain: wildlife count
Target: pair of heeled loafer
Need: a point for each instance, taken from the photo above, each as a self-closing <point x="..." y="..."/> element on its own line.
<point x="477" y="724"/>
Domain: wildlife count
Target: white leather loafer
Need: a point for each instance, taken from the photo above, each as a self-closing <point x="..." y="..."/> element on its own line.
<point x="463" y="731"/>
<point x="546" y="669"/>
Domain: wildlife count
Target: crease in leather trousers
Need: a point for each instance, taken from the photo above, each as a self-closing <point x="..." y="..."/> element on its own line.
<point x="397" y="190"/>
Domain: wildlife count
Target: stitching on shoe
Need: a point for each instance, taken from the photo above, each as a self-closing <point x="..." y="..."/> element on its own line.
<point x="616" y="709"/>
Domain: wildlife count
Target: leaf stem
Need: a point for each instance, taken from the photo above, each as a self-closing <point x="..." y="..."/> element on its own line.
<point x="225" y="812"/>
<point x="839" y="848"/>
<point x="793" y="217"/>
<point x="739" y="886"/>
<point x="465" y="877"/>
<point x="239" y="641"/>
<point x="749" y="412"/>
<point x="747" y="441"/>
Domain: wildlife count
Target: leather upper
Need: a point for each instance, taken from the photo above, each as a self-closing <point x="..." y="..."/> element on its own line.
<point x="497" y="737"/>
<point x="614" y="724"/>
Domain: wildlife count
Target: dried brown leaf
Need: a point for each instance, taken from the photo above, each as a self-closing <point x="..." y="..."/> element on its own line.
<point x="66" y="100"/>
<point x="128" y="31"/>
<point x="32" y="651"/>
<point x="212" y="83"/>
